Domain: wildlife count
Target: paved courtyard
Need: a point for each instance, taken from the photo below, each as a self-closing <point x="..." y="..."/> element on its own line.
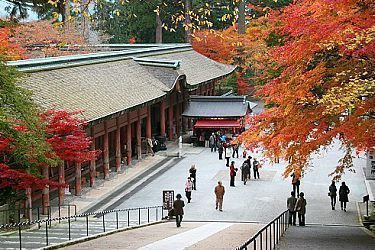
<point x="256" y="203"/>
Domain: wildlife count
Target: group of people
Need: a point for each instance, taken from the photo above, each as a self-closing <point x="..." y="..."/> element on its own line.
<point x="190" y="185"/>
<point x="343" y="195"/>
<point x="246" y="169"/>
<point x="298" y="205"/>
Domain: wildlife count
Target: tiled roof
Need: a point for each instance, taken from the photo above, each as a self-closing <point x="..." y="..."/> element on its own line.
<point x="216" y="106"/>
<point x="105" y="83"/>
<point x="197" y="68"/>
<point x="98" y="89"/>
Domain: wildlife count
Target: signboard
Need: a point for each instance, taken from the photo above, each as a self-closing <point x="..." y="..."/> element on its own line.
<point x="168" y="199"/>
<point x="370" y="166"/>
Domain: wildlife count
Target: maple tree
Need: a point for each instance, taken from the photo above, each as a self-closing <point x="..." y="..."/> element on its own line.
<point x="66" y="134"/>
<point x="324" y="90"/>
<point x="247" y="51"/>
<point x="45" y="39"/>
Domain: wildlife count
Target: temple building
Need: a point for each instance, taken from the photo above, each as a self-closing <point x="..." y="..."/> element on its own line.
<point x="126" y="95"/>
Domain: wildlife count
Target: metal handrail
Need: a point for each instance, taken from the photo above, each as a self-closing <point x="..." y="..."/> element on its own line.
<point x="276" y="227"/>
<point x="69" y="218"/>
<point x="37" y="210"/>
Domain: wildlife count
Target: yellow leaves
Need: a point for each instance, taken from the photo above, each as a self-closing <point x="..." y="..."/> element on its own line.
<point x="348" y="94"/>
<point x="53" y="2"/>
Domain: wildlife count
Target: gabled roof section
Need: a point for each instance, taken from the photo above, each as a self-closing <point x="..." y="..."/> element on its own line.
<point x="197" y="68"/>
<point x="217" y="107"/>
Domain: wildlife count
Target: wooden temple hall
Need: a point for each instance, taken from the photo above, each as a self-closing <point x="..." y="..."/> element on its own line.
<point x="127" y="94"/>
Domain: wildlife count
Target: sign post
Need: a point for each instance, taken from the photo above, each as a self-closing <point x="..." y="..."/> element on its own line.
<point x="168" y="199"/>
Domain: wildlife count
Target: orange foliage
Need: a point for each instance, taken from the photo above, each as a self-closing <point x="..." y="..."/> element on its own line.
<point x="44" y="39"/>
<point x="247" y="51"/>
<point x="326" y="87"/>
<point x="8" y="51"/>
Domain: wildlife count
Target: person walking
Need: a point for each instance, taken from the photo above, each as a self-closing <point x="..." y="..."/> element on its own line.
<point x="291" y="204"/>
<point x="300" y="208"/>
<point x="226" y="154"/>
<point x="245" y="170"/>
<point x="188" y="189"/>
<point x="256" y="166"/>
<point x="295" y="182"/>
<point x="343" y="195"/>
<point x="219" y="192"/>
<point x="193" y="176"/>
<point x="332" y="193"/>
<point x="178" y="207"/>
<point x="212" y="142"/>
<point x="232" y="173"/>
<point x="235" y="150"/>
<point x="220" y="150"/>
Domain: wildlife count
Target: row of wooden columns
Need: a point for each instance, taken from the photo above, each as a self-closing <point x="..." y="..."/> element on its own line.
<point x="127" y="139"/>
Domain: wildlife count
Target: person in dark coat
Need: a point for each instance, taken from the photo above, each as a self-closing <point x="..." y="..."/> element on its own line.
<point x="220" y="149"/>
<point x="295" y="182"/>
<point x="332" y="193"/>
<point x="343" y="195"/>
<point x="291" y="205"/>
<point x="232" y="173"/>
<point x="245" y="170"/>
<point x="193" y="176"/>
<point x="178" y="207"/>
<point x="301" y="208"/>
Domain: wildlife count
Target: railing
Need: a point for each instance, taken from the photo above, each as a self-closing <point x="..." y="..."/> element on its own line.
<point x="269" y="235"/>
<point x="103" y="214"/>
<point x="23" y="214"/>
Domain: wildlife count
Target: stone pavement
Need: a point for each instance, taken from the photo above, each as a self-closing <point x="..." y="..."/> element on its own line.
<point x="262" y="200"/>
<point x="191" y="235"/>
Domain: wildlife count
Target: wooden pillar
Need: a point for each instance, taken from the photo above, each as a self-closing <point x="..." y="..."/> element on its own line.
<point x="139" y="139"/>
<point x="29" y="204"/>
<point x="93" y="161"/>
<point x="118" y="146"/>
<point x="61" y="171"/>
<point x="148" y="123"/>
<point x="105" y="152"/>
<point x="78" y="189"/>
<point x="162" y="117"/>
<point x="178" y="123"/>
<point x="129" y="143"/>
<point x="170" y="121"/>
<point x="45" y="193"/>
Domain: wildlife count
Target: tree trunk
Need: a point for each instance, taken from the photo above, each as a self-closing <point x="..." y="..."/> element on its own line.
<point x="241" y="17"/>
<point x="159" y="30"/>
<point x="187" y="21"/>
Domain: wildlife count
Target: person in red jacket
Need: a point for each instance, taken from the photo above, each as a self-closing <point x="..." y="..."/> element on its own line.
<point x="232" y="173"/>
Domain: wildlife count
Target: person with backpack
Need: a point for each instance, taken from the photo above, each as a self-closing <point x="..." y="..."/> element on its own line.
<point x="245" y="170"/>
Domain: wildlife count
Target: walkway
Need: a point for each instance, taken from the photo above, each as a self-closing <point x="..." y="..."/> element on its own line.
<point x="199" y="235"/>
<point x="326" y="237"/>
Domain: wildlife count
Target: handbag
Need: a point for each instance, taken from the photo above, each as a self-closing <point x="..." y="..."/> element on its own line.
<point x="329" y="193"/>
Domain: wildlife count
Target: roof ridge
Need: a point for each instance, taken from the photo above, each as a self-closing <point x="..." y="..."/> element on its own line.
<point x="40" y="64"/>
